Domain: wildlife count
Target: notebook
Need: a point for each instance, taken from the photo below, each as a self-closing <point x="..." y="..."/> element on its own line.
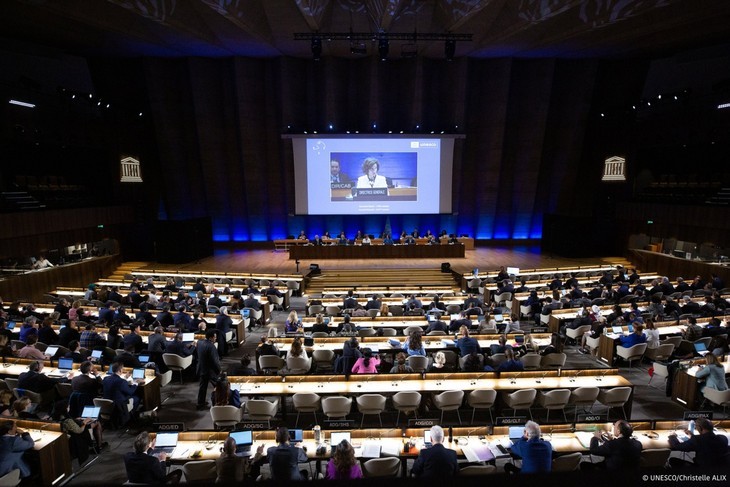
<point x="336" y="438"/>
<point x="244" y="440"/>
<point x="137" y="374"/>
<point x="188" y="337"/>
<point x="166" y="442"/>
<point x="91" y="412"/>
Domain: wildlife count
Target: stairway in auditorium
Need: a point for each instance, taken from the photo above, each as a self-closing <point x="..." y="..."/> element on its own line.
<point x="382" y="278"/>
<point x="126" y="269"/>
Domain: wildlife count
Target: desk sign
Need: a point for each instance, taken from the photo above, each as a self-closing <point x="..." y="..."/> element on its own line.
<point x="688" y="415"/>
<point x="539" y="329"/>
<point x="422" y="423"/>
<point x="337" y="424"/>
<point x="162" y="427"/>
<point x="252" y="425"/>
<point x="592" y="418"/>
<point x="510" y="421"/>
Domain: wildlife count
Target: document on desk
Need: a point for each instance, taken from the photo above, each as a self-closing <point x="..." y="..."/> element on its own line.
<point x="478" y="453"/>
<point x="496" y="451"/>
<point x="370" y="449"/>
<point x="448" y="343"/>
<point x="390" y="449"/>
<point x="584" y="437"/>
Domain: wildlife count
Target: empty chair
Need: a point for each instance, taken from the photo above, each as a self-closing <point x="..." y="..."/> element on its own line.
<point x="410" y="329"/>
<point x="477" y="470"/>
<point x="481" y="399"/>
<point x="388" y="332"/>
<point x="323" y="360"/>
<point x="660" y="370"/>
<point x="555" y="399"/>
<point x="177" y="363"/>
<point x="315" y="309"/>
<point x="632" y="353"/>
<point x="449" y="401"/>
<point x="406" y="402"/>
<point x="333" y="310"/>
<point x="367" y="332"/>
<point x="382" y="467"/>
<point x="525" y="311"/>
<point x="293" y="286"/>
<point x="462" y="361"/>
<point x="306" y="402"/>
<point x="576" y="333"/>
<point x="225" y="416"/>
<point x="297" y="366"/>
<point x="255" y="315"/>
<point x="259" y="409"/>
<point x="12" y="478"/>
<point x="336" y="406"/>
<point x="418" y="363"/>
<point x="396" y="310"/>
<point x="662" y="352"/>
<point x="106" y="408"/>
<point x="531" y="361"/>
<point x="673" y="340"/>
<point x="721" y="398"/>
<point x="584" y="397"/>
<point x="654" y="457"/>
<point x="371" y="404"/>
<point x="277" y="301"/>
<point x="373" y="313"/>
<point x="521" y="399"/>
<point x="200" y="471"/>
<point x="567" y="463"/>
<point x="553" y="360"/>
<point x="436" y="333"/>
<point x="614" y="398"/>
<point x="271" y="364"/>
<point x="165" y="378"/>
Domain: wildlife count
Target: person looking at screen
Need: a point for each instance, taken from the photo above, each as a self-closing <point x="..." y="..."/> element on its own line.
<point x="335" y="175"/>
<point x="370" y="177"/>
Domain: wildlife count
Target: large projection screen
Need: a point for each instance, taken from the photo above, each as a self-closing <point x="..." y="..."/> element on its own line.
<point x="373" y="174"/>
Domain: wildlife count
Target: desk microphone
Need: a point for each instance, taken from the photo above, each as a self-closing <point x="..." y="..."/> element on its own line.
<point x="468" y="433"/>
<point x="539" y="381"/>
<point x="513" y="379"/>
<point x="572" y="379"/>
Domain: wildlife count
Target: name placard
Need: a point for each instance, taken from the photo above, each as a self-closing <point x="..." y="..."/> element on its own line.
<point x="510" y="421"/>
<point x="422" y="422"/>
<point x="592" y="418"/>
<point x="369" y="193"/>
<point x="162" y="427"/>
<point x="339" y="424"/>
<point x="697" y="415"/>
<point x="252" y="425"/>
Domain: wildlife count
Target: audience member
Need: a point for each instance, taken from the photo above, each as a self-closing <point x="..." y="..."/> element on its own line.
<point x="436" y="462"/>
<point x="621" y="452"/>
<point x="13" y="445"/>
<point x="711" y="450"/>
<point x="231" y="468"/>
<point x="343" y="465"/>
<point x="536" y="453"/>
<point x="284" y="459"/>
<point x="144" y="468"/>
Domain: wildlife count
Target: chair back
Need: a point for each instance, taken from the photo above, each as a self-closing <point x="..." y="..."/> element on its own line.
<point x="498" y="359"/>
<point x="553" y="360"/>
<point x="654" y="457"/>
<point x="418" y="363"/>
<point x="531" y="361"/>
<point x="333" y="310"/>
<point x="200" y="471"/>
<point x="165" y="378"/>
<point x="306" y="401"/>
<point x="367" y="332"/>
<point x="567" y="463"/>
<point x="520" y="399"/>
<point x="382" y="467"/>
<point x="584" y="395"/>
<point x="373" y="313"/>
<point x="10" y="479"/>
<point x="448" y="400"/>
<point x="298" y="365"/>
<point x="482" y="398"/>
<point x="371" y="403"/>
<point x="176" y="362"/>
<point x="616" y="396"/>
<point x="407" y="400"/>
<point x="271" y="362"/>
<point x="336" y="406"/>
<point x="261" y="408"/>
<point x="227" y="413"/>
<point x="477" y="470"/>
<point x="388" y="332"/>
<point x="556" y="398"/>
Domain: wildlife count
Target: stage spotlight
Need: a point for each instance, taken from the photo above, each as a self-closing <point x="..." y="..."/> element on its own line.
<point x="383" y="48"/>
<point x="449" y="49"/>
<point x="316" y="48"/>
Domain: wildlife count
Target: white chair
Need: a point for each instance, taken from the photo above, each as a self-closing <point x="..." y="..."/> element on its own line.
<point x="410" y="329"/>
<point x="614" y="398"/>
<point x="12" y="478"/>
<point x="660" y="370"/>
<point x="449" y="401"/>
<point x="271" y="364"/>
<point x="165" y="378"/>
<point x="406" y="401"/>
<point x="662" y="352"/>
<point x="576" y="333"/>
<point x="721" y="398"/>
<point x="336" y="406"/>
<point x="256" y="315"/>
<point x="333" y="310"/>
<point x="418" y="363"/>
<point x="472" y="470"/>
<point x="631" y="353"/>
<point x="367" y="332"/>
<point x="498" y="359"/>
<point x="293" y="286"/>
<point x="531" y="361"/>
<point x="306" y="402"/>
<point x="277" y="301"/>
<point x="106" y="408"/>
<point x="315" y="309"/>
<point x="673" y="340"/>
<point x="382" y="467"/>
<point x="297" y="366"/>
<point x="584" y="397"/>
<point x="522" y="399"/>
<point x="525" y="311"/>
<point x="177" y="363"/>
<point x="481" y="399"/>
<point x="262" y="409"/>
<point x="567" y="463"/>
<point x="373" y="313"/>
<point x="593" y="344"/>
<point x="225" y="416"/>
<point x="555" y="399"/>
<point x="371" y="404"/>
<point x="553" y="360"/>
<point x="388" y="332"/>
<point x="34" y="397"/>
<point x="323" y="360"/>
<point x="200" y="471"/>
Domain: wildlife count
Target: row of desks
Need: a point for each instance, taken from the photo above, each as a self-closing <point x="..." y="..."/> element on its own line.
<point x="311" y="252"/>
<point x="289" y="243"/>
<point x="192" y="276"/>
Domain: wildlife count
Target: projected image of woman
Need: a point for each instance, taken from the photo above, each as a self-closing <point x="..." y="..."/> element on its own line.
<point x="370" y="177"/>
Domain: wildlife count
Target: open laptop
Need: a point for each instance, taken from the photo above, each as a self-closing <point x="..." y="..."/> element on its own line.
<point x="326" y="321"/>
<point x="336" y="438"/>
<point x="138" y="374"/>
<point x="165" y="442"/>
<point x="519" y="339"/>
<point x="10" y="325"/>
<point x="515" y="433"/>
<point x="427" y="443"/>
<point x="631" y="328"/>
<point x="617" y="330"/>
<point x="65" y="365"/>
<point x="143" y="359"/>
<point x="430" y="317"/>
<point x="96" y="354"/>
<point x="244" y="440"/>
<point x="51" y="351"/>
<point x="499" y="318"/>
<point x="701" y="348"/>
<point x="91" y="412"/>
<point x="296" y="436"/>
<point x="245" y="313"/>
<point x="188" y="337"/>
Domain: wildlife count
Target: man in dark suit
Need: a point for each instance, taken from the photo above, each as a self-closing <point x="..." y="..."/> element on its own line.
<point x="284" y="459"/>
<point x="454" y="325"/>
<point x="711" y="450"/>
<point x="143" y="468"/>
<point x="252" y="302"/>
<point x="106" y="314"/>
<point x="620" y="453"/>
<point x="437" y="461"/>
<point x="223" y="324"/>
<point x="472" y="299"/>
<point x="209" y="367"/>
<point x="36" y="381"/>
<point x="178" y="347"/>
<point x="536" y="453"/>
<point x="373" y="303"/>
<point x="115" y="296"/>
<point x="349" y="302"/>
<point x="132" y="341"/>
<point x="690" y="307"/>
<point x="117" y="389"/>
<point x="165" y="317"/>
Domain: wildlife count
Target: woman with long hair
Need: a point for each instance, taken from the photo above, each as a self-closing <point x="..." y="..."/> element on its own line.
<point x="291" y="325"/>
<point x="713" y="373"/>
<point x="413" y="345"/>
<point x="384" y="310"/>
<point x="223" y="395"/>
<point x="652" y="334"/>
<point x="297" y="350"/>
<point x="343" y="465"/>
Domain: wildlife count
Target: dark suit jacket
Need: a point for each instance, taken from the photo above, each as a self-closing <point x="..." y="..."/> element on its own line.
<point x="132" y="339"/>
<point x="711" y="450"/>
<point x="117" y="389"/>
<point x="349" y="303"/>
<point x="35" y="382"/>
<point x="436" y="461"/>
<point x="621" y="453"/>
<point x="223" y="323"/>
<point x="144" y="469"/>
<point x="252" y="303"/>
<point x="208" y="363"/>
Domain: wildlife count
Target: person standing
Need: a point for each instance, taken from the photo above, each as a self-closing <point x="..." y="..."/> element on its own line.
<point x="437" y="461"/>
<point x="209" y="367"/>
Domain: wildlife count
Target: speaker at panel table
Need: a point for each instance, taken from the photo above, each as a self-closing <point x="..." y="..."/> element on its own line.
<point x="369" y="179"/>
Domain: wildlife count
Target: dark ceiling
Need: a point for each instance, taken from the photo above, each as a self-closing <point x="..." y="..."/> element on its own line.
<point x="265" y="28"/>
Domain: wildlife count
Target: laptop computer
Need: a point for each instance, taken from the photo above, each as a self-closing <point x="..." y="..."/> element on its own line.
<point x="701" y="348"/>
<point x="188" y="337"/>
<point x="336" y="438"/>
<point x="499" y="318"/>
<point x="245" y="313"/>
<point x="430" y="317"/>
<point x="137" y="374"/>
<point x="631" y="328"/>
<point x="308" y="341"/>
<point x="96" y="354"/>
<point x="516" y="432"/>
<point x="51" y="351"/>
<point x="10" y="325"/>
<point x="326" y="321"/>
<point x="427" y="443"/>
<point x="244" y="440"/>
<point x="296" y="436"/>
<point x="91" y="412"/>
<point x="617" y="330"/>
<point x="65" y="364"/>
<point x="165" y="442"/>
<point x="519" y="339"/>
<point x="143" y="359"/>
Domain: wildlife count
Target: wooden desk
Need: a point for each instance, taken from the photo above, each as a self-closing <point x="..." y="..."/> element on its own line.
<point x="376" y="252"/>
<point x="51" y="446"/>
<point x="686" y="387"/>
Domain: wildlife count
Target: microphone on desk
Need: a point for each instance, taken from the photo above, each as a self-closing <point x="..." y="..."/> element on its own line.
<point x="468" y="433"/>
<point x="539" y="381"/>
<point x="513" y="379"/>
<point x="572" y="379"/>
<point x="600" y="378"/>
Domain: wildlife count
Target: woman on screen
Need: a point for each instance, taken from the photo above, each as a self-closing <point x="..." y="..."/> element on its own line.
<point x="370" y="177"/>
